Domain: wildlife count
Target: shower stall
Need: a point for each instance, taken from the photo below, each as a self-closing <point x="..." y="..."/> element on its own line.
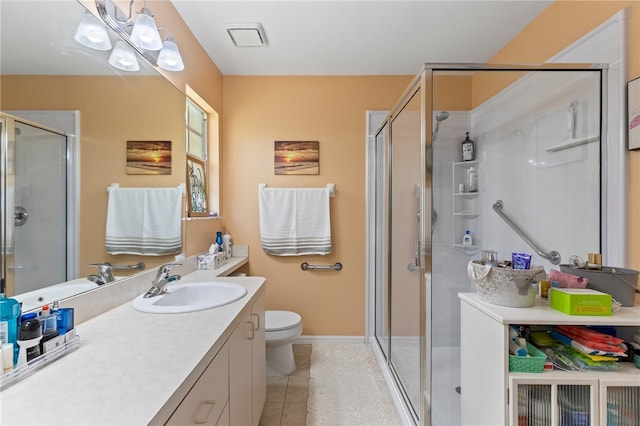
<point x="540" y="143"/>
<point x="34" y="204"/>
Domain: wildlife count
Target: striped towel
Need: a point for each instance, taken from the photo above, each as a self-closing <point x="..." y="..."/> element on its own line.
<point x="294" y="221"/>
<point x="144" y="221"/>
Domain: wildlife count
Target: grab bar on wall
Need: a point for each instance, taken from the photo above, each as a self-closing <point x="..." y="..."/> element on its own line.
<point x="335" y="267"/>
<point x="552" y="256"/>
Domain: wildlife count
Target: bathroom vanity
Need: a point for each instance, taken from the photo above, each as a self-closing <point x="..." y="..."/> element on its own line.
<point x="135" y="368"/>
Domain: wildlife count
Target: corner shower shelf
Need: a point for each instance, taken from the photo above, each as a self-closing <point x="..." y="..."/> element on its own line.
<point x="467" y="208"/>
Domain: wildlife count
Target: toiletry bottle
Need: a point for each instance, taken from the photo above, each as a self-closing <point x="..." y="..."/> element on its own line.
<point x="6" y="353"/>
<point x="473" y="179"/>
<point x="468" y="150"/>
<point x="466" y="240"/>
<point x="49" y="325"/>
<point x="594" y="261"/>
<point x="29" y="338"/>
<point x="219" y="240"/>
<point x="226" y="244"/>
<point x="9" y="315"/>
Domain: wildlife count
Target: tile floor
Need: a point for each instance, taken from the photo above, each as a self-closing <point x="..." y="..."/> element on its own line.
<point x="286" y="403"/>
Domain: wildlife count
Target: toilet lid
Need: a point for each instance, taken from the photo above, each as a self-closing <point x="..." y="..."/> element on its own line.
<point x="280" y="320"/>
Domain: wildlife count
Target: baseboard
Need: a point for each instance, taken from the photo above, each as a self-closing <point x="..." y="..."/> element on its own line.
<point x="307" y="340"/>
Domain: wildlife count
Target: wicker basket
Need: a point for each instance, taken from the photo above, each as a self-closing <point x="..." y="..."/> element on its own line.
<point x="534" y="363"/>
<point x="505" y="286"/>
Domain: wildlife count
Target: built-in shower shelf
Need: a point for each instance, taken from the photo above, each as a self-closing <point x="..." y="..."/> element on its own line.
<point x="469" y="215"/>
<point x="466" y="208"/>
<point x="466" y="195"/>
<point x="469" y="250"/>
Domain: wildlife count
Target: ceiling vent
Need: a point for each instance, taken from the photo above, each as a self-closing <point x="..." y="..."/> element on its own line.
<point x="247" y="35"/>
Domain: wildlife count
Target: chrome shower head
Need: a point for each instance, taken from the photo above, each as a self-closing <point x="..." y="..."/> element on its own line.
<point x="440" y="117"/>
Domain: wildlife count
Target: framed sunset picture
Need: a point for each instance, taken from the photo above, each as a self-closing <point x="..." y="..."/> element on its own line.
<point x="296" y="158"/>
<point x="148" y="157"/>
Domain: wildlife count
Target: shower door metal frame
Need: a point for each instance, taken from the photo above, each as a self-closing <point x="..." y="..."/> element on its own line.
<point x="424" y="82"/>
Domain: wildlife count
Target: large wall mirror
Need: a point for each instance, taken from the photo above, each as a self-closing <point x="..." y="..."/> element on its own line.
<point x="64" y="91"/>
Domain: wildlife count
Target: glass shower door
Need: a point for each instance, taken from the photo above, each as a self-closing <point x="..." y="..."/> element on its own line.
<point x="404" y="217"/>
<point x="34" y="208"/>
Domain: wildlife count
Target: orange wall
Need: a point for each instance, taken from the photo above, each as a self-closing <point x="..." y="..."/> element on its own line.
<point x="260" y="110"/>
<point x="332" y="110"/>
<point x="113" y="110"/>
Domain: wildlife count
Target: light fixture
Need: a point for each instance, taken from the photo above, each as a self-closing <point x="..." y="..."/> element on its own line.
<point x="92" y="33"/>
<point x="141" y="37"/>
<point x="123" y="57"/>
<point x="169" y="57"/>
<point x="247" y="35"/>
<point x="145" y="32"/>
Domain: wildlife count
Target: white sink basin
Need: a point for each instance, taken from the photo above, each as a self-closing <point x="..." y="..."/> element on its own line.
<point x="190" y="297"/>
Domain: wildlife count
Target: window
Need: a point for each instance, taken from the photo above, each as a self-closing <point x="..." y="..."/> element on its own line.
<point x="202" y="145"/>
<point x="196" y="131"/>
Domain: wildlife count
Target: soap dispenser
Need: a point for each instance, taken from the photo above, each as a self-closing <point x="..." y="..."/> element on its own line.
<point x="468" y="149"/>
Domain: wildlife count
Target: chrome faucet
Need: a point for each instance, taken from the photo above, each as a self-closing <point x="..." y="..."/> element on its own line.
<point x="104" y="275"/>
<point x="159" y="284"/>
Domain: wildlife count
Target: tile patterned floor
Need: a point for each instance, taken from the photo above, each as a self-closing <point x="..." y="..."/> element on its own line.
<point x="286" y="403"/>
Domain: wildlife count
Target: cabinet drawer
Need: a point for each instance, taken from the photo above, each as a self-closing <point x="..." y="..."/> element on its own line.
<point x="207" y="399"/>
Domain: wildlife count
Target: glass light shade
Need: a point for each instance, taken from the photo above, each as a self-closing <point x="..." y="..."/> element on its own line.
<point x="169" y="57"/>
<point x="145" y="32"/>
<point x="92" y="33"/>
<point x="123" y="57"/>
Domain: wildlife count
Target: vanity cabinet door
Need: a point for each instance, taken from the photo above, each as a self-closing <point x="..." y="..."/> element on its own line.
<point x="240" y="410"/>
<point x="247" y="368"/>
<point x="206" y="401"/>
<point x="258" y="359"/>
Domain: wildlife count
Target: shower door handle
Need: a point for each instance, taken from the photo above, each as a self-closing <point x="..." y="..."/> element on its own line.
<point x="20" y="215"/>
<point x="416" y="265"/>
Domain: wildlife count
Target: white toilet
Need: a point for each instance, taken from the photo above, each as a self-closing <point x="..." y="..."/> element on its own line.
<point x="282" y="328"/>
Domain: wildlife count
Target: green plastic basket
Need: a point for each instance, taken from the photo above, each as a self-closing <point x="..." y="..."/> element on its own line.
<point x="534" y="363"/>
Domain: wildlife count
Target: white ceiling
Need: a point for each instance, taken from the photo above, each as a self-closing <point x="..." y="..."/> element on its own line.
<point x="357" y="37"/>
<point x="305" y="37"/>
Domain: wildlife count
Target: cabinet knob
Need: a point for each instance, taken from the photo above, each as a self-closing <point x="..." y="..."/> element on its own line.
<point x="204" y="412"/>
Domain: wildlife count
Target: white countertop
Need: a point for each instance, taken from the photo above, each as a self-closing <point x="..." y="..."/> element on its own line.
<point x="541" y="313"/>
<point x="132" y="368"/>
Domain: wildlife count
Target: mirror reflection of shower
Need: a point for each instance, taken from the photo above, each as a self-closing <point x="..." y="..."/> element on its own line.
<point x="440" y="117"/>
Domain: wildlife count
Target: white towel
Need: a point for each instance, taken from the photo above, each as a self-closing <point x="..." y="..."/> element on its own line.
<point x="294" y="221"/>
<point x="144" y="221"/>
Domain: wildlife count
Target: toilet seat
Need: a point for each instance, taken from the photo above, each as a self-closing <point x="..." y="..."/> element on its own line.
<point x="281" y="320"/>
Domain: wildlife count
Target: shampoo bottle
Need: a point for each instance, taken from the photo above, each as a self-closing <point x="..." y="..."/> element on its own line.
<point x="473" y="179"/>
<point x="466" y="239"/>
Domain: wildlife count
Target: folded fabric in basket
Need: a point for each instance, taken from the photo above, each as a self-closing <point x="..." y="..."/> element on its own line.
<point x="568" y="280"/>
<point x="144" y="221"/>
<point x="294" y="221"/>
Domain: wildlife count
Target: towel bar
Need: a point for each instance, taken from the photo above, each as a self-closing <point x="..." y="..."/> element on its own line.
<point x="331" y="186"/>
<point x="335" y="267"/>
<point x="182" y="187"/>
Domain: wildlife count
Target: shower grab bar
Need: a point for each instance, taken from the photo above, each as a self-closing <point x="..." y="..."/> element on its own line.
<point x="553" y="256"/>
<point x="335" y="267"/>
